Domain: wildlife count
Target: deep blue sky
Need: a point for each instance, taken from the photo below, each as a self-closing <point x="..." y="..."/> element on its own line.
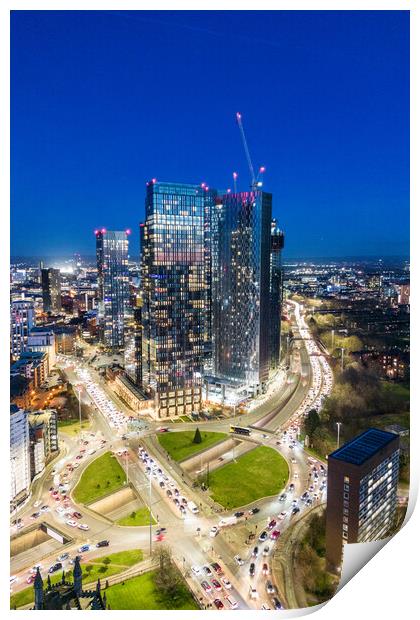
<point x="103" y="101"/>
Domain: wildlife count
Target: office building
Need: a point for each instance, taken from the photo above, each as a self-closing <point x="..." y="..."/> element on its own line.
<point x="22" y="320"/>
<point x="51" y="290"/>
<point x="43" y="439"/>
<point x="32" y="365"/>
<point x="65" y="339"/>
<point x="42" y="339"/>
<point x="362" y="491"/>
<point x="113" y="288"/>
<point x="276" y="293"/>
<point x="241" y="245"/>
<point x="174" y="296"/>
<point x="132" y="349"/>
<point x="20" y="478"/>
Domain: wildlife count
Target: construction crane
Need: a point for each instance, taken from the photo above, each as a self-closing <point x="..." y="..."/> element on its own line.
<point x="256" y="181"/>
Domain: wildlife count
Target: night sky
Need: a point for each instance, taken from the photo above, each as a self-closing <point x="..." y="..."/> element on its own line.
<point x="103" y="101"/>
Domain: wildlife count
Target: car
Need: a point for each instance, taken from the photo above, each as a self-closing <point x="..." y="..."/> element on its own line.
<point x="206" y="586"/>
<point x="226" y="583"/>
<point x="239" y="561"/>
<point x="277" y="604"/>
<point x="263" y="536"/>
<point x="44" y="508"/>
<point x="266" y="551"/>
<point x="252" y="569"/>
<point x="295" y="510"/>
<point x="206" y="570"/>
<point x="269" y="588"/>
<point x="35" y="515"/>
<point x="253" y="592"/>
<point x="275" y="534"/>
<point x="282" y="515"/>
<point x="71" y="523"/>
<point x="214" y="531"/>
<point x="291" y="487"/>
<point x="55" y="567"/>
<point x="62" y="557"/>
<point x="232" y="602"/>
<point x="216" y="585"/>
<point x="265" y="607"/>
<point x="103" y="543"/>
<point x="265" y="569"/>
<point x="37" y="503"/>
<point x="272" y="524"/>
<point x="83" y="526"/>
<point x="217" y="568"/>
<point x="31" y="579"/>
<point x="196" y="570"/>
<point x="254" y="511"/>
<point x="218" y="603"/>
<point x="255" y="552"/>
<point x="35" y="568"/>
<point x="84" y="548"/>
<point x="296" y="475"/>
<point x="77" y="515"/>
<point x="13" y="579"/>
<point x="239" y="514"/>
<point x="282" y="497"/>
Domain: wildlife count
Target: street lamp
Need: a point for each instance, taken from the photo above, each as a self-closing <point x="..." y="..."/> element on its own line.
<point x="79" y="389"/>
<point x="332" y="340"/>
<point x="342" y="358"/>
<point x="338" y="434"/>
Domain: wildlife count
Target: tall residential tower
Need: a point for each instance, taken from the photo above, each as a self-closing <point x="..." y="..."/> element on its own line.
<point x="51" y="290"/>
<point x="241" y="239"/>
<point x="173" y="282"/>
<point x="113" y="285"/>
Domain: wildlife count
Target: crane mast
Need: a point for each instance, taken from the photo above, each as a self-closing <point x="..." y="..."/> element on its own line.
<point x="255" y="181"/>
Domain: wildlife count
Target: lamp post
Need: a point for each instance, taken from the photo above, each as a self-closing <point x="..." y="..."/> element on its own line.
<point x="338" y="434"/>
<point x="342" y="359"/>
<point x="79" y="391"/>
<point x="332" y="340"/>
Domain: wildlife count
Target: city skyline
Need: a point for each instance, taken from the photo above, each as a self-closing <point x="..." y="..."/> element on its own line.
<point x="335" y="143"/>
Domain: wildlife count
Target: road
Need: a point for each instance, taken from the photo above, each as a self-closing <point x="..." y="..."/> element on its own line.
<point x="187" y="536"/>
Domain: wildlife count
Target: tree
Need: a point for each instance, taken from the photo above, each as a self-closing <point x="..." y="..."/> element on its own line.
<point x="167" y="578"/>
<point x="311" y="422"/>
<point x="197" y="436"/>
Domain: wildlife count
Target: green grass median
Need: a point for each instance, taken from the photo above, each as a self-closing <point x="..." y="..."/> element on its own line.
<point x="180" y="445"/>
<point x="141" y="593"/>
<point x="258" y="473"/>
<point x="101" y="477"/>
<point x="141" y="516"/>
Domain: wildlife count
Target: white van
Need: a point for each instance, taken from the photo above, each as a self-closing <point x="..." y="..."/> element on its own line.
<point x="232" y="602"/>
<point x="193" y="508"/>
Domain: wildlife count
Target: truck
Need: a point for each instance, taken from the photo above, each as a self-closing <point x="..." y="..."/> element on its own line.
<point x="192" y="507"/>
<point x="227" y="521"/>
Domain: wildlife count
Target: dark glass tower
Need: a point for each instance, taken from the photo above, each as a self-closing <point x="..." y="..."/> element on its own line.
<point x="276" y="293"/>
<point x="113" y="288"/>
<point x="241" y="245"/>
<point x="175" y="296"/>
<point x="51" y="290"/>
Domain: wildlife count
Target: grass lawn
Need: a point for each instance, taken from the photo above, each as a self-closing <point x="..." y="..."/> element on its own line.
<point x="141" y="516"/>
<point x="140" y="593"/>
<point x="72" y="427"/>
<point x="94" y="481"/>
<point x="118" y="562"/>
<point x="256" y="474"/>
<point x="180" y="445"/>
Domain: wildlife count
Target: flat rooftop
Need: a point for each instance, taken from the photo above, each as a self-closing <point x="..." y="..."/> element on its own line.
<point x="364" y="446"/>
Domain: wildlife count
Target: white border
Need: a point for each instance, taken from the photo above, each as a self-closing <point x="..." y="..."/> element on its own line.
<point x="387" y="585"/>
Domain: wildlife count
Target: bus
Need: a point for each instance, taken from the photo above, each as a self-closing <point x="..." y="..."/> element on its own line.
<point x="240" y="430"/>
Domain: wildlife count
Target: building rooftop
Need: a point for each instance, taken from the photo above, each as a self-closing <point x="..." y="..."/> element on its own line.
<point x="364" y="446"/>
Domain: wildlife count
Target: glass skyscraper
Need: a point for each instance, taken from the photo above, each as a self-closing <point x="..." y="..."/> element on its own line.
<point x="175" y="295"/>
<point x="276" y="293"/>
<point x="51" y="290"/>
<point x="241" y="244"/>
<point x="113" y="285"/>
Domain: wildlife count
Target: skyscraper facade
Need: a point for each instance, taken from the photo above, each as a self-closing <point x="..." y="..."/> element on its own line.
<point x="241" y="245"/>
<point x="132" y="348"/>
<point x="51" y="290"/>
<point x="362" y="491"/>
<point x="173" y="282"/>
<point x="19" y="453"/>
<point x="22" y="320"/>
<point x="113" y="285"/>
<point x="276" y="293"/>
